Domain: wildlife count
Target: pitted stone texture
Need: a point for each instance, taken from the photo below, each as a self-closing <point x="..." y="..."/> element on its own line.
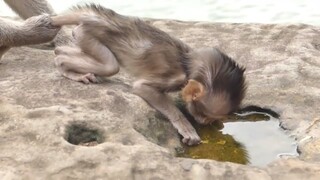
<point x="37" y="104"/>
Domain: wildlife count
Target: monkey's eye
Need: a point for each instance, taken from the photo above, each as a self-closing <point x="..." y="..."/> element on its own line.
<point x="202" y="112"/>
<point x="199" y="110"/>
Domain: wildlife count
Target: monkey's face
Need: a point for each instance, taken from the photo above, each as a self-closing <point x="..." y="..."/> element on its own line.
<point x="210" y="108"/>
<point x="204" y="106"/>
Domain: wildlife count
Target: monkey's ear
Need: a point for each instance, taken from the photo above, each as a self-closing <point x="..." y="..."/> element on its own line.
<point x="193" y="91"/>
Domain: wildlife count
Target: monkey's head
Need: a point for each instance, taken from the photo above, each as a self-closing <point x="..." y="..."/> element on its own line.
<point x="215" y="88"/>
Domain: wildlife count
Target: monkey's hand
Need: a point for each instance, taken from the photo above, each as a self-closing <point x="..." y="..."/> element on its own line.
<point x="40" y="29"/>
<point x="164" y="104"/>
<point x="189" y="134"/>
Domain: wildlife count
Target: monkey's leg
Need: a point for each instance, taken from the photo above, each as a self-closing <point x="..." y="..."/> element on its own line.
<point x="93" y="47"/>
<point x="29" y="8"/>
<point x="162" y="103"/>
<point x="79" y="66"/>
<point x="72" y="59"/>
<point x="76" y="68"/>
<point x="93" y="58"/>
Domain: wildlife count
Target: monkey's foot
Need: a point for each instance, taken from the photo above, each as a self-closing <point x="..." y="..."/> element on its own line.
<point x="87" y="78"/>
<point x="84" y="78"/>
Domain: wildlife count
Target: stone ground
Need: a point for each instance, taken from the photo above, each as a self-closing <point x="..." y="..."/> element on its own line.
<point x="39" y="108"/>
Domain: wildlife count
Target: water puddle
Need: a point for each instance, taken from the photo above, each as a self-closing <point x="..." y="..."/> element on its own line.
<point x="251" y="138"/>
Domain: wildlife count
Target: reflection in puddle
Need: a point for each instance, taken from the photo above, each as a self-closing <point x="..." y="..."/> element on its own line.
<point x="252" y="138"/>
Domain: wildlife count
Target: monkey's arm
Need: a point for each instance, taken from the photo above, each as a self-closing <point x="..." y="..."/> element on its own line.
<point x="85" y="60"/>
<point x="162" y="103"/>
<point x="29" y="8"/>
<point x="35" y="30"/>
<point x="7" y="31"/>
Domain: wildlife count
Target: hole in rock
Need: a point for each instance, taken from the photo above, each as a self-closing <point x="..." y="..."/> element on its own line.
<point x="84" y="135"/>
<point x="251" y="138"/>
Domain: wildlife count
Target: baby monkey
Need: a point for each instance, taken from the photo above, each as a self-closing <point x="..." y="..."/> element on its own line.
<point x="212" y="84"/>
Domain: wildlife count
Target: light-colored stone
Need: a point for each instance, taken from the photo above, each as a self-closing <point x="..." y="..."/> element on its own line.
<point x="37" y="104"/>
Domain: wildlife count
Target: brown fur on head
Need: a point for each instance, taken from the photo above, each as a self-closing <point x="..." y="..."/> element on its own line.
<point x="216" y="86"/>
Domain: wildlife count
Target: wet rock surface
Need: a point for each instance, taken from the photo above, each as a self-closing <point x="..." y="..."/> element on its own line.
<point x="38" y="106"/>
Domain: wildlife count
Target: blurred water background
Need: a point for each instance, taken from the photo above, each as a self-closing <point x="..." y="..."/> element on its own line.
<point x="244" y="11"/>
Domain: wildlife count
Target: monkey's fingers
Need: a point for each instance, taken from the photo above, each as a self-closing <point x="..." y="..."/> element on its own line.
<point x="92" y="78"/>
<point x="47" y="22"/>
<point x="85" y="78"/>
<point x="191" y="139"/>
<point x="88" y="78"/>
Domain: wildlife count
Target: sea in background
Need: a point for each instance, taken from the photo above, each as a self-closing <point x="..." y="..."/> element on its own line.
<point x="239" y="11"/>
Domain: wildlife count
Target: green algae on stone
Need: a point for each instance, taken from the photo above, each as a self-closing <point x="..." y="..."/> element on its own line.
<point x="217" y="146"/>
<point x="250" y="138"/>
<point x="245" y="137"/>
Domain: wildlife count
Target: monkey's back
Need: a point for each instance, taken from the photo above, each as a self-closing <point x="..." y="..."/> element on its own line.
<point x="142" y="49"/>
